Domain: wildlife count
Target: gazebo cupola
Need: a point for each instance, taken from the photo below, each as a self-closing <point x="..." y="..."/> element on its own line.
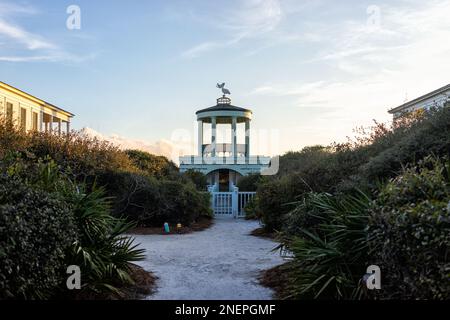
<point x="226" y="114"/>
<point x="224" y="162"/>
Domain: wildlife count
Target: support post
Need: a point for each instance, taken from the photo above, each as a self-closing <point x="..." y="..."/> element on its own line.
<point x="68" y="127"/>
<point x="234" y="202"/>
<point x="41" y="121"/>
<point x="234" y="139"/>
<point x="213" y="136"/>
<point x="59" y="126"/>
<point x="200" y="138"/>
<point x="52" y="120"/>
<point x="247" y="139"/>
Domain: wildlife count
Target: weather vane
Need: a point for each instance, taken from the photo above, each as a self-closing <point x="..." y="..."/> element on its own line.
<point x="224" y="90"/>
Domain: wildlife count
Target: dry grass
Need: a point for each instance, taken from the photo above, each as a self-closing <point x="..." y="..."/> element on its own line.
<point x="263" y="233"/>
<point x="277" y="279"/>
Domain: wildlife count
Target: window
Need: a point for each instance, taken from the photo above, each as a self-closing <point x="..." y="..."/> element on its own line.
<point x="35" y="121"/>
<point x="23" y="118"/>
<point x="9" y="111"/>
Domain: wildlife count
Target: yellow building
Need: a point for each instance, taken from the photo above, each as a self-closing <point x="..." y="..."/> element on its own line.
<point x="31" y="113"/>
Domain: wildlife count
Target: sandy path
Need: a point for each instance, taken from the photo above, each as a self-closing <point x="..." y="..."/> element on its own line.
<point x="221" y="263"/>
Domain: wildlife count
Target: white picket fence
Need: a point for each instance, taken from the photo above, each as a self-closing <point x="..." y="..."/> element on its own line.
<point x="243" y="199"/>
<point x="230" y="204"/>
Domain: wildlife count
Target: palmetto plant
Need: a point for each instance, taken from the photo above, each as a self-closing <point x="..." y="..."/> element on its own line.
<point x="97" y="242"/>
<point x="102" y="250"/>
<point x="329" y="259"/>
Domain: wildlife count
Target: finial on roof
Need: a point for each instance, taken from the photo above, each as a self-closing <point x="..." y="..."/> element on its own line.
<point x="224" y="90"/>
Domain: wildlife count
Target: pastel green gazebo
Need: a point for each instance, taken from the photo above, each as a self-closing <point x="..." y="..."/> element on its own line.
<point x="223" y="163"/>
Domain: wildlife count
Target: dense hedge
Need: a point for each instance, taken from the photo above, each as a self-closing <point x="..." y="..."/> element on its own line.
<point x="364" y="163"/>
<point x="54" y="211"/>
<point x="410" y="233"/>
<point x="250" y="182"/>
<point x="197" y="178"/>
<point x="344" y="207"/>
<point x="154" y="166"/>
<point x="327" y="236"/>
<point x="405" y="230"/>
<point x="135" y="180"/>
<point x="36" y="229"/>
<point x="83" y="156"/>
<point x="152" y="202"/>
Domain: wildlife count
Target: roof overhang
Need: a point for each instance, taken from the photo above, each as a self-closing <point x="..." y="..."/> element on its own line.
<point x="34" y="99"/>
<point x="224" y="116"/>
<point x="419" y="99"/>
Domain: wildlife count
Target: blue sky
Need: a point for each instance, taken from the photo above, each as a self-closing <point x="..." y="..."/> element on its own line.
<point x="312" y="70"/>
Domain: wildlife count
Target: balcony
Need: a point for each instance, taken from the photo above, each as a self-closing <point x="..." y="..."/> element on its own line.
<point x="227" y="160"/>
<point x="223" y="150"/>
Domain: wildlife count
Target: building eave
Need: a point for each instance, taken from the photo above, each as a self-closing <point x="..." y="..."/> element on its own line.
<point x="419" y="99"/>
<point x="35" y="99"/>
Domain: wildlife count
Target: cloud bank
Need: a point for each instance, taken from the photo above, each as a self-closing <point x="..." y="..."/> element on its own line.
<point x="161" y="148"/>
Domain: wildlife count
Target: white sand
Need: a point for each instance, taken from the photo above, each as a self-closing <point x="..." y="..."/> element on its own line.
<point x="222" y="262"/>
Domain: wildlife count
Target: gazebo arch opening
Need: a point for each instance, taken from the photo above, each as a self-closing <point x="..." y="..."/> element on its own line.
<point x="223" y="179"/>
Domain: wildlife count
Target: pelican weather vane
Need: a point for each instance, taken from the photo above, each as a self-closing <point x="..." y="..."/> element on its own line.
<point x="224" y="90"/>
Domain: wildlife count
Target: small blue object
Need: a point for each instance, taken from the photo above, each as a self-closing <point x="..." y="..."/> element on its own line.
<point x="166" y="228"/>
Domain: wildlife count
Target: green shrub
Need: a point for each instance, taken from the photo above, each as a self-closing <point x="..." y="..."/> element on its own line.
<point x="306" y="215"/>
<point x="155" y="166"/>
<point x="181" y="203"/>
<point x="410" y="233"/>
<point x="131" y="178"/>
<point x="428" y="135"/>
<point x="36" y="229"/>
<point x="364" y="163"/>
<point x="85" y="157"/>
<point x="134" y="196"/>
<point x="11" y="139"/>
<point x="277" y="197"/>
<point x="251" y="209"/>
<point x="302" y="161"/>
<point x="151" y="202"/>
<point x="101" y="250"/>
<point x="250" y="182"/>
<point x="94" y="238"/>
<point x="330" y="259"/>
<point x="197" y="178"/>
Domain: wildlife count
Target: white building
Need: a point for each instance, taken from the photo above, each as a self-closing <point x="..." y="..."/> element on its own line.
<point x="224" y="162"/>
<point x="436" y="98"/>
<point x="32" y="113"/>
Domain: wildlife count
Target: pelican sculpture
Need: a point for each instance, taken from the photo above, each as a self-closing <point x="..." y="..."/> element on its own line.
<point x="224" y="90"/>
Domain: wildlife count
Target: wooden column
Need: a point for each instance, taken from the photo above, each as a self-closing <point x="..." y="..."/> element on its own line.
<point x="59" y="126"/>
<point x="200" y="138"/>
<point x="247" y="138"/>
<point x="41" y="121"/>
<point x="213" y="136"/>
<point x="234" y="138"/>
<point x="52" y="120"/>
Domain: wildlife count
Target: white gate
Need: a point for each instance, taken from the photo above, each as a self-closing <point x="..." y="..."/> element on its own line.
<point x="230" y="204"/>
<point x="222" y="204"/>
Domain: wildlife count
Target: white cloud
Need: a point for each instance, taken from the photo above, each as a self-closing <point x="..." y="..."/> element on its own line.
<point x="370" y="70"/>
<point x="202" y="48"/>
<point x="20" y="45"/>
<point x="162" y="147"/>
<point x="245" y="19"/>
<point x="31" y="41"/>
<point x="253" y="17"/>
<point x="7" y="8"/>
